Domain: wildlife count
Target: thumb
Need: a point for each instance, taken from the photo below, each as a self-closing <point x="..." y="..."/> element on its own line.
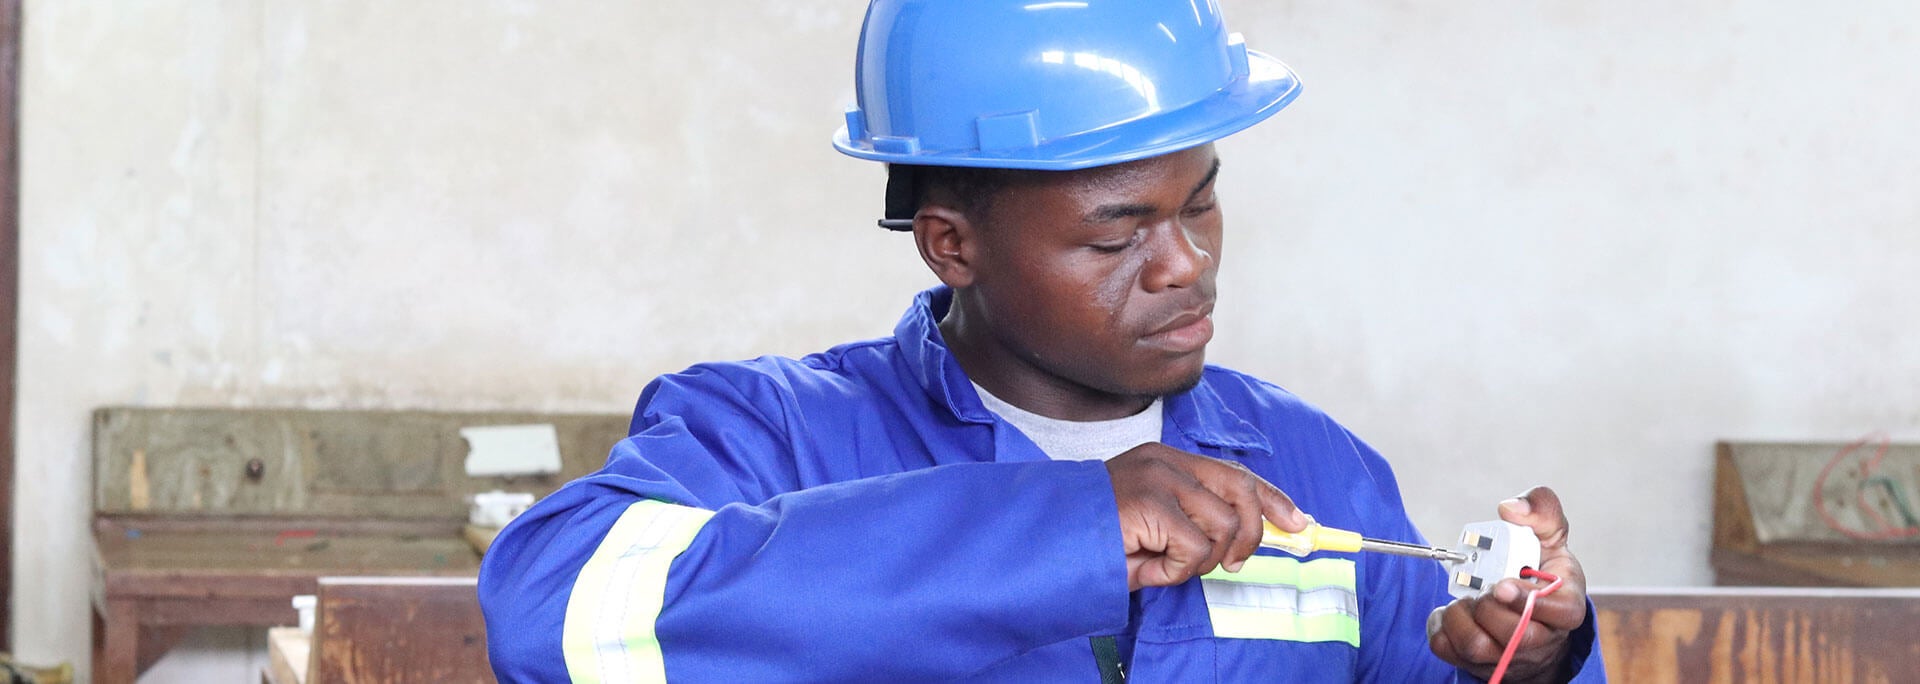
<point x="1539" y="508"/>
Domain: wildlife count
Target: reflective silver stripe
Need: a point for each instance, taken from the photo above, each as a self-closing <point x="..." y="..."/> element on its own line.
<point x="1282" y="598"/>
<point x="609" y="631"/>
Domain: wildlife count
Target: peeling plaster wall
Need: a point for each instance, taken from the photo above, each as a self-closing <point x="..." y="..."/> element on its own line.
<point x="1506" y="242"/>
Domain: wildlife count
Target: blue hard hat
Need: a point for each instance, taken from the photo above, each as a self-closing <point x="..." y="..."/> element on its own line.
<point x="1035" y="84"/>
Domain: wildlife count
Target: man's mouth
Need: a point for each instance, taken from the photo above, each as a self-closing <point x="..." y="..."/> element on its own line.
<point x="1187" y="333"/>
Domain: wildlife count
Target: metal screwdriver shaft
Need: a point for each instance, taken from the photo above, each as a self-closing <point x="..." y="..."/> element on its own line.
<point x="1414" y="550"/>
<point x="1318" y="538"/>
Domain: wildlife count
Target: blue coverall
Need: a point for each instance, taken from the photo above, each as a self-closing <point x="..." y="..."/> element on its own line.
<point x="858" y="515"/>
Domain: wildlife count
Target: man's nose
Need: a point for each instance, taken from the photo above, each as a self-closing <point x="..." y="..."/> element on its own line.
<point x="1177" y="259"/>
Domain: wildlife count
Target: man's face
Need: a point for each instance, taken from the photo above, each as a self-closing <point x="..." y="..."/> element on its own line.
<point x="1105" y="277"/>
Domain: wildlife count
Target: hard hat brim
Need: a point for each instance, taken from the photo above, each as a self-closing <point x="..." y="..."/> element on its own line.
<point x="1269" y="86"/>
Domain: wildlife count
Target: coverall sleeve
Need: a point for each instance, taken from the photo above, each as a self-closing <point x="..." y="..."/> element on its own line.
<point x="1399" y="592"/>
<point x="685" y="559"/>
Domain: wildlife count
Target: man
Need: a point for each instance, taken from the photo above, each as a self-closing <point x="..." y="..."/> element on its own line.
<point x="1036" y="478"/>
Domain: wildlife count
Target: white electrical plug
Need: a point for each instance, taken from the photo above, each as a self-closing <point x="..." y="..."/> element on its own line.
<point x="1494" y="550"/>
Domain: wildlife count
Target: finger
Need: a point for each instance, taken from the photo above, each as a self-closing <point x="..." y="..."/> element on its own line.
<point x="1279" y="508"/>
<point x="1228" y="480"/>
<point x="1136" y="561"/>
<point x="1471" y="644"/>
<point x="1564" y="609"/>
<point x="1239" y="488"/>
<point x="1560" y="613"/>
<point x="1215" y="518"/>
<point x="1246" y="507"/>
<point x="1561" y="563"/>
<point x="1438" y="641"/>
<point x="1539" y="644"/>
<point x="1539" y="508"/>
<point x="1185" y="547"/>
<point x="1498" y="613"/>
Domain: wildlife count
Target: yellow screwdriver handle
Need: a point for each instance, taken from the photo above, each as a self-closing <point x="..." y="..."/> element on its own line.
<point x="1315" y="538"/>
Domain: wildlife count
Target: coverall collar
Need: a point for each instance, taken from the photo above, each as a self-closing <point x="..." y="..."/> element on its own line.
<point x="1199" y="413"/>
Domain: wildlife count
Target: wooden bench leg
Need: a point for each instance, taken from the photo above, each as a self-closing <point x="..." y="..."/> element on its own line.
<point x="116" y="643"/>
<point x="155" y="641"/>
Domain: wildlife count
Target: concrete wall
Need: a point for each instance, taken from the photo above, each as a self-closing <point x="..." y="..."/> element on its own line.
<point x="1506" y="242"/>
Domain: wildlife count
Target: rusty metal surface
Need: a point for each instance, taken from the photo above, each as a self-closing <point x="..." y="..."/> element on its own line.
<point x="1734" y="635"/>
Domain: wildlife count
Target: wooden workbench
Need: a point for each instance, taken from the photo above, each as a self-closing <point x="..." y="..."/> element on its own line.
<point x="159" y="578"/>
<point x="220" y="517"/>
<point x="386" y="629"/>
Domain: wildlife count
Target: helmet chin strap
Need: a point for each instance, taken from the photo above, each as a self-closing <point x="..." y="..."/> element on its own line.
<point x="901" y="193"/>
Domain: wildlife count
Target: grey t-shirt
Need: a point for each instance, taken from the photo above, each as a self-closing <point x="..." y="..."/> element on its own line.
<point x="1073" y="440"/>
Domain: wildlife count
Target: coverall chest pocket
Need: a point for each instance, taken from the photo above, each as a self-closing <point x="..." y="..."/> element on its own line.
<point x="1279" y="619"/>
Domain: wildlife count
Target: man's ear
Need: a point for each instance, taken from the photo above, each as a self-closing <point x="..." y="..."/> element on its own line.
<point x="948" y="242"/>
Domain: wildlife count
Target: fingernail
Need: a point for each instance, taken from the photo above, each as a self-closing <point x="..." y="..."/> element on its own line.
<point x="1234" y="566"/>
<point x="1518" y="505"/>
<point x="1505" y="591"/>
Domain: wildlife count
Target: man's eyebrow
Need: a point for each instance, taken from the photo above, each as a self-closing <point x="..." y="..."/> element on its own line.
<point x="1115" y="212"/>
<point x="1204" y="182"/>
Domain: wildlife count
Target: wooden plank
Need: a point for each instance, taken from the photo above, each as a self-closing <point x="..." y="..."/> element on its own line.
<point x="1732" y="515"/>
<point x="1758" y="635"/>
<point x="135" y="526"/>
<point x="1796" y="565"/>
<point x="271" y="554"/>
<point x="9" y="291"/>
<point x="399" y="630"/>
<point x="291" y="463"/>
<point x="264" y="565"/>
<point x="182" y="612"/>
<point x="288" y="654"/>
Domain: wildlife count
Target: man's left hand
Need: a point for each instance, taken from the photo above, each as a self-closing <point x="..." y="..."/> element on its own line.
<point x="1473" y="631"/>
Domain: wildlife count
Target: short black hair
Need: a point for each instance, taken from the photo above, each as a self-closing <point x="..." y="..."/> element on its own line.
<point x="911" y="186"/>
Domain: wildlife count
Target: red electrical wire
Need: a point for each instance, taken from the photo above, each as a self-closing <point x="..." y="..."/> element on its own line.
<point x="1526" y="615"/>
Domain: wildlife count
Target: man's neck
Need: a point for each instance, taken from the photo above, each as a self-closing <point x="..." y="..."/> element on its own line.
<point x="1020" y="383"/>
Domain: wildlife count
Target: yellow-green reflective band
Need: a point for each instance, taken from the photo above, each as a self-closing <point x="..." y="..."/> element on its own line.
<point x="1245" y="623"/>
<point x="1313" y="574"/>
<point x="1283" y="598"/>
<point x="608" y="635"/>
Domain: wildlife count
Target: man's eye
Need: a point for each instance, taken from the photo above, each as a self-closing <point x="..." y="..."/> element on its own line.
<point x="1197" y="210"/>
<point x="1117" y="246"/>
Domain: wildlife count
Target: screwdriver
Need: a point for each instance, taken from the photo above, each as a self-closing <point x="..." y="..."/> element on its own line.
<point x="1318" y="537"/>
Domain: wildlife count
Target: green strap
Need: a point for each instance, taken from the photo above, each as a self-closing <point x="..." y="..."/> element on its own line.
<point x="1106" y="654"/>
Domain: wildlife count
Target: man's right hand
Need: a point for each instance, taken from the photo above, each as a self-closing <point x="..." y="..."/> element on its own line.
<point x="1183" y="515"/>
